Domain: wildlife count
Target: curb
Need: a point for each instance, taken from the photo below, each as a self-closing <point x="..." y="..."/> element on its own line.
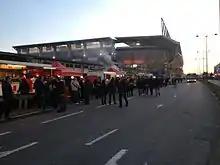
<point x="213" y="158"/>
<point x="26" y="115"/>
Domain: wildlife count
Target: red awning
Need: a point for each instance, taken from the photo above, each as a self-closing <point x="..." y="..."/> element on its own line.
<point x="71" y="74"/>
<point x="112" y="70"/>
<point x="58" y="65"/>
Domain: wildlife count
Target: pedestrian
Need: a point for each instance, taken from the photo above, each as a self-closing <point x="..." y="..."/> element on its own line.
<point x="75" y="87"/>
<point x="7" y="98"/>
<point x="103" y="91"/>
<point x="40" y="91"/>
<point x="112" y="91"/>
<point x="122" y="89"/>
<point x="60" y="93"/>
<point x="87" y="91"/>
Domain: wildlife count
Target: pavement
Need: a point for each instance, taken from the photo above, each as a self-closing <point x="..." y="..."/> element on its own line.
<point x="216" y="82"/>
<point x="173" y="129"/>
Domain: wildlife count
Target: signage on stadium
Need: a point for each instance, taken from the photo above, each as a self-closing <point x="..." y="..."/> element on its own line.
<point x="5" y="66"/>
<point x="133" y="61"/>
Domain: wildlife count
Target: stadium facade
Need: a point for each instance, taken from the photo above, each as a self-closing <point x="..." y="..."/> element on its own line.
<point x="148" y="54"/>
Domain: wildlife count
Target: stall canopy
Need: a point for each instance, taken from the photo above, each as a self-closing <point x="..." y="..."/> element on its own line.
<point x="64" y="70"/>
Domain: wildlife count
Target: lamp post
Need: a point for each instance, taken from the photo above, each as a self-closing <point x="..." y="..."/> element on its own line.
<point x="206" y="51"/>
<point x="198" y="58"/>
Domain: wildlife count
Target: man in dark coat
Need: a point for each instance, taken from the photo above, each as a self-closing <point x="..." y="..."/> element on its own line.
<point x="122" y="89"/>
<point x="112" y="91"/>
<point x="87" y="91"/>
<point x="7" y="98"/>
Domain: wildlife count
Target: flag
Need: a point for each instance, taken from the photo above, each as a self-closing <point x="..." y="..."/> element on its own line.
<point x="165" y="31"/>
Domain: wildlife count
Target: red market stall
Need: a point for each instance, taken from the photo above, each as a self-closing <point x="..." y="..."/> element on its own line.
<point x="64" y="71"/>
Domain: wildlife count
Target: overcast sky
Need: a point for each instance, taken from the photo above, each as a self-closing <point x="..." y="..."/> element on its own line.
<point x="36" y="21"/>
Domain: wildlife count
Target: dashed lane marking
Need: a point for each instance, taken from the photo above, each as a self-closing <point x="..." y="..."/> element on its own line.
<point x="160" y="105"/>
<point x="62" y="117"/>
<point x="174" y="96"/>
<point x="5" y="133"/>
<point x="117" y="157"/>
<point x="7" y="153"/>
<point x="101" y="137"/>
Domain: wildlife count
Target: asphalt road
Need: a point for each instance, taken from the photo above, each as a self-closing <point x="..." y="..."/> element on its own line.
<point x="173" y="129"/>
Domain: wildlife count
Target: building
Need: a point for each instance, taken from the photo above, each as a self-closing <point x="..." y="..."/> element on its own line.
<point x="97" y="50"/>
<point x="150" y="54"/>
<point x="157" y="54"/>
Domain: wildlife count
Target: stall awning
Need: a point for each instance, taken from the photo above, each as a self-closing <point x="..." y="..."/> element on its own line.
<point x="58" y="65"/>
<point x="112" y="70"/>
<point x="71" y="73"/>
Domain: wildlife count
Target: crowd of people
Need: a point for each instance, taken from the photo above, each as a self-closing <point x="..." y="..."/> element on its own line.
<point x="52" y="91"/>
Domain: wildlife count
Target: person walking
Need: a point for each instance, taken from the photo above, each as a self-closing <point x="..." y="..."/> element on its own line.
<point x="75" y="87"/>
<point x="112" y="91"/>
<point x="7" y="98"/>
<point x="122" y="89"/>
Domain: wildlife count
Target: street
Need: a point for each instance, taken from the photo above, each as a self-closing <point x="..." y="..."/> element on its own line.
<point x="173" y="129"/>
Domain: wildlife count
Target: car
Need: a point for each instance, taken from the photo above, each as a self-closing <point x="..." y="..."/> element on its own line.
<point x="191" y="80"/>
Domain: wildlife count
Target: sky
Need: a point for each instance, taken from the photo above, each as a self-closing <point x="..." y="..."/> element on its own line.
<point x="37" y="21"/>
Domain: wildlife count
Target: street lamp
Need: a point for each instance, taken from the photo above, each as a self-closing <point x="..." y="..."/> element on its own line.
<point x="206" y="50"/>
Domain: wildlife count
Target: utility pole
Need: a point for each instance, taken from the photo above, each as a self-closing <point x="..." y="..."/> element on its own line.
<point x="203" y="62"/>
<point x="206" y="53"/>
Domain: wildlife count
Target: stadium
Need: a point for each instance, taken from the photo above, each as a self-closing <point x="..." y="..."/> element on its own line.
<point x="146" y="54"/>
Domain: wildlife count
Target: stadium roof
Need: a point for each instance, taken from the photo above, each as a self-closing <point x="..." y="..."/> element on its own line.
<point x="150" y="41"/>
<point x="133" y="41"/>
<point x="64" y="42"/>
<point x="29" y="57"/>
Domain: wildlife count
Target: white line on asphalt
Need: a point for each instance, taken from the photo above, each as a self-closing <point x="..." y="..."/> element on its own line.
<point x="174" y="96"/>
<point x="5" y="133"/>
<point x="101" y="137"/>
<point x="27" y="114"/>
<point x="7" y="153"/>
<point x="62" y="117"/>
<point x="145" y="163"/>
<point x="100" y="106"/>
<point x="160" y="105"/>
<point x="129" y="98"/>
<point x="117" y="157"/>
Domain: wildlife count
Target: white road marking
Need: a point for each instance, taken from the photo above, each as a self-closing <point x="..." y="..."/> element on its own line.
<point x="7" y="153"/>
<point x="26" y="114"/>
<point x="160" y="105"/>
<point x="62" y="117"/>
<point x="145" y="163"/>
<point x="101" y="137"/>
<point x="129" y="98"/>
<point x="5" y="133"/>
<point x="117" y="157"/>
<point x="100" y="106"/>
<point x="174" y="96"/>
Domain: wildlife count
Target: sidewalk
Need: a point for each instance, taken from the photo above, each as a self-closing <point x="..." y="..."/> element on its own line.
<point x="216" y="82"/>
<point x="17" y="114"/>
<point x="214" y="86"/>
